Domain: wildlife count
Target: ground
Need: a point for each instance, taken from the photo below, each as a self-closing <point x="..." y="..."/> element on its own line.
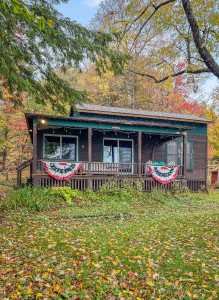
<point x="146" y="249"/>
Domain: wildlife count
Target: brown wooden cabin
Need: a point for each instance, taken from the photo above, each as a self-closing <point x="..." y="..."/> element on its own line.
<point x="113" y="142"/>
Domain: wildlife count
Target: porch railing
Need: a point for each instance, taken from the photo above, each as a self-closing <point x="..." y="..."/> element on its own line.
<point x="102" y="168"/>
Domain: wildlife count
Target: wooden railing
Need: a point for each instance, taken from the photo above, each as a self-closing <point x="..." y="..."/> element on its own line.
<point x="24" y="165"/>
<point x="102" y="168"/>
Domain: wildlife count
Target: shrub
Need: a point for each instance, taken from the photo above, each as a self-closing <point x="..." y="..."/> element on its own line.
<point x="179" y="189"/>
<point x="32" y="199"/>
<point x="159" y="195"/>
<point x="67" y="194"/>
<point x="125" y="190"/>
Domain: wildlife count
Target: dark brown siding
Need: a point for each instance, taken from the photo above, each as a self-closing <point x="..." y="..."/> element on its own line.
<point x="200" y="155"/>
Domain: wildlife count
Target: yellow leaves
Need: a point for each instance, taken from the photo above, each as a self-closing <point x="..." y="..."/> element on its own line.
<point x="56" y="287"/>
<point x="96" y="265"/>
<point x="214" y="294"/>
<point x="39" y="295"/>
<point x="8" y="270"/>
<point x="29" y="290"/>
<point x="50" y="270"/>
<point x="116" y="271"/>
<point x="189" y="294"/>
<point x="115" y="263"/>
<point x="149" y="282"/>
<point x="51" y="246"/>
<point x="128" y="292"/>
<point x="168" y="84"/>
<point x="192" y="296"/>
<point x="45" y="275"/>
<point x="50" y="23"/>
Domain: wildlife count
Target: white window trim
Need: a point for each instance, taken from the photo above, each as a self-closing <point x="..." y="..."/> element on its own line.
<point x="61" y="136"/>
<point x="120" y="139"/>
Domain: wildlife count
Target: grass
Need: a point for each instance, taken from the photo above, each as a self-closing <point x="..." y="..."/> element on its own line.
<point x="152" y="248"/>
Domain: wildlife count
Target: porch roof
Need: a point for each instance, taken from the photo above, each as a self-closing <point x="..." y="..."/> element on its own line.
<point x="105" y="124"/>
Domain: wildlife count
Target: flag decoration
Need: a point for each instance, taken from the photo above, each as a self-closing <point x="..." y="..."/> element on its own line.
<point x="61" y="170"/>
<point x="164" y="174"/>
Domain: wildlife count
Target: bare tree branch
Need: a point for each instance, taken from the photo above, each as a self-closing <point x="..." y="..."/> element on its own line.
<point x="156" y="80"/>
<point x="156" y="8"/>
<point x="208" y="59"/>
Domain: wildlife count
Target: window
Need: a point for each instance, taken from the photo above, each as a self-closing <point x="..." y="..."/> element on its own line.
<point x="117" y="151"/>
<point x="189" y="156"/>
<point x="174" y="153"/>
<point x="60" y="147"/>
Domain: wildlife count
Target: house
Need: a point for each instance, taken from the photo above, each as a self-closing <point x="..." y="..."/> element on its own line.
<point x="97" y="143"/>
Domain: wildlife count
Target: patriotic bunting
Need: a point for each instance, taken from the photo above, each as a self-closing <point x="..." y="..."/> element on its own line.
<point x="61" y="170"/>
<point x="163" y="174"/>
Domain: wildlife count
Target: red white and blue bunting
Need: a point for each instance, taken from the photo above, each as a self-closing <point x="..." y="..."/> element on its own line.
<point x="164" y="174"/>
<point x="61" y="170"/>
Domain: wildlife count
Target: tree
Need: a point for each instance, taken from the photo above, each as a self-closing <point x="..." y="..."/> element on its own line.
<point x="35" y="39"/>
<point x="180" y="31"/>
<point x="134" y="91"/>
<point x="15" y="144"/>
<point x="14" y="141"/>
<point x="213" y="129"/>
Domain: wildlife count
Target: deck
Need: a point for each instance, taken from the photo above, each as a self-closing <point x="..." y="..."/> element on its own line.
<point x="95" y="174"/>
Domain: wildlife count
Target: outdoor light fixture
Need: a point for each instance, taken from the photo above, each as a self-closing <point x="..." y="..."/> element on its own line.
<point x="43" y="121"/>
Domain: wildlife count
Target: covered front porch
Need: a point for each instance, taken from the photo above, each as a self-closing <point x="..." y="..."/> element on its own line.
<point x="104" y="150"/>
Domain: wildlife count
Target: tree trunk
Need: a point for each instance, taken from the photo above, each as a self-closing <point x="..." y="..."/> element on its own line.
<point x="210" y="63"/>
<point x="4" y="156"/>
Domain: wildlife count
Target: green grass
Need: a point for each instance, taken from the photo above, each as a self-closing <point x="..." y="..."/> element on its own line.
<point x="152" y="248"/>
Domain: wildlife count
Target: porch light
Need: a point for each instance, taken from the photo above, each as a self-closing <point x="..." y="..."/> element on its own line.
<point x="43" y="121"/>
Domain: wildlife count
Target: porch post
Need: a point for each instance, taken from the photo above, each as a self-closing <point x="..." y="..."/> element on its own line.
<point x="34" y="148"/>
<point x="89" y="156"/>
<point x="152" y="153"/>
<point x="139" y="151"/>
<point x="184" y="154"/>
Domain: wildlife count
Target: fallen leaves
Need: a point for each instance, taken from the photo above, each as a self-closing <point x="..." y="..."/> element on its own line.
<point x="168" y="253"/>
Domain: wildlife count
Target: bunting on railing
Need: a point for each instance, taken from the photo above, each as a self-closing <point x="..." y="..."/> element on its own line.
<point x="61" y="170"/>
<point x="164" y="174"/>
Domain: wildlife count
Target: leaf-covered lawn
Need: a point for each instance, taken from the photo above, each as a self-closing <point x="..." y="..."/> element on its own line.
<point x="113" y="250"/>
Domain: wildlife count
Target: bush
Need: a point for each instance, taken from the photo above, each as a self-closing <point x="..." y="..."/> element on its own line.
<point x="160" y="195"/>
<point x="126" y="190"/>
<point x="67" y="194"/>
<point x="32" y="199"/>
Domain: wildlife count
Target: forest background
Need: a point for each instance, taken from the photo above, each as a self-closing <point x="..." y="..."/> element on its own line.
<point x="135" y="54"/>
